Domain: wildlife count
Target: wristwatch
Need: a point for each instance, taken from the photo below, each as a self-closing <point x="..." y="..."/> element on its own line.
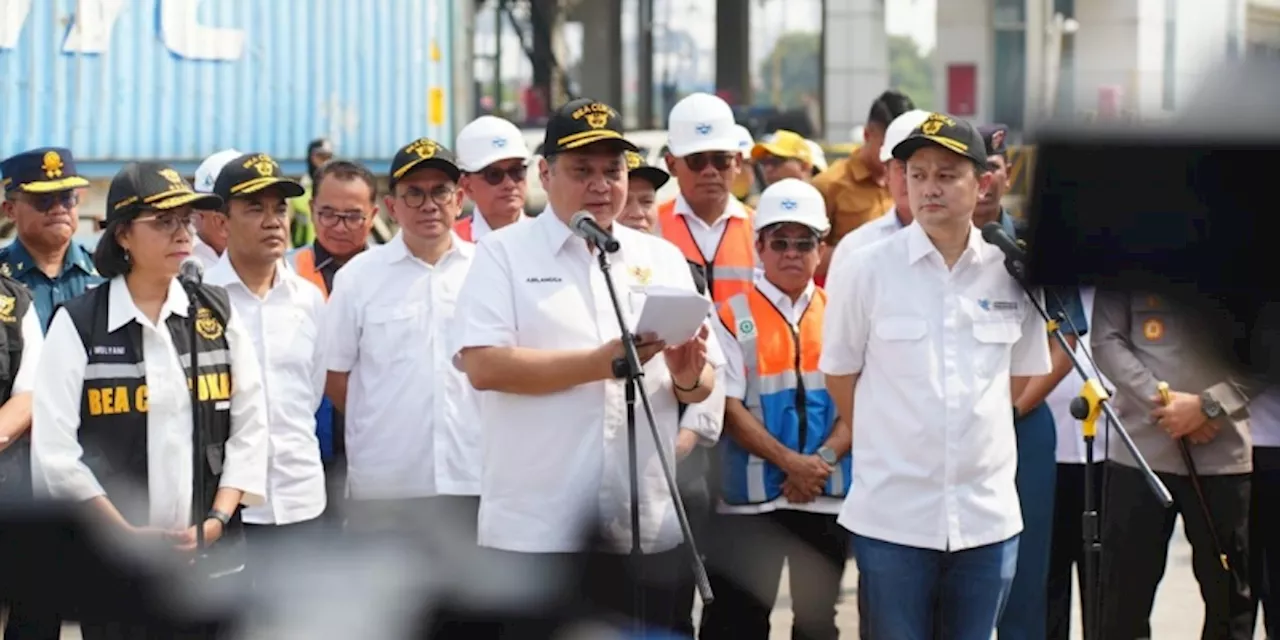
<point x="697" y="382"/>
<point x="1210" y="407"/>
<point x="827" y="454"/>
<point x="221" y="516"/>
<point x="620" y="368"/>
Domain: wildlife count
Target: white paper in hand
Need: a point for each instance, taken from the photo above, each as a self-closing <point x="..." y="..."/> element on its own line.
<point x="673" y="314"/>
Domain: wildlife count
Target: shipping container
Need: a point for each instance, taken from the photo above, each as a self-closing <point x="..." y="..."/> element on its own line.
<point x="176" y="80"/>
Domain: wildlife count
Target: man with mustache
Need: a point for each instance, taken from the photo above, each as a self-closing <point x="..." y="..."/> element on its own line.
<point x="493" y="157"/>
<point x="412" y="440"/>
<point x="282" y="313"/>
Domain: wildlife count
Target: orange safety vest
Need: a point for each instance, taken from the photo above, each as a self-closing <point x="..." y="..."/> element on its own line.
<point x="463" y="228"/>
<point x="303" y="262"/>
<point x="731" y="270"/>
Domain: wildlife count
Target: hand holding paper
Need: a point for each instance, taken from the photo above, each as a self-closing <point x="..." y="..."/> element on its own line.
<point x="673" y="314"/>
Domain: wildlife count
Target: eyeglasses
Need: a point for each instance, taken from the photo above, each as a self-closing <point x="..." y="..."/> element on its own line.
<point x="801" y="245"/>
<point x="699" y="161"/>
<point x="169" y="223"/>
<point x="415" y="197"/>
<point x="497" y="175"/>
<point x="44" y="202"/>
<point x="330" y="218"/>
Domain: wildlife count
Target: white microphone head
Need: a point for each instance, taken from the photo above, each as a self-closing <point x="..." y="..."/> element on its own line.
<point x="191" y="271"/>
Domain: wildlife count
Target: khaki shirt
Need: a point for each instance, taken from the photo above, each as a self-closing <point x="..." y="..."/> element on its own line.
<point x="853" y="196"/>
<point x="1138" y="341"/>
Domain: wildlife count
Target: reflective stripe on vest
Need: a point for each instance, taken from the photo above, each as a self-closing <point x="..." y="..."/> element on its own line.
<point x="303" y="263"/>
<point x="785" y="391"/>
<point x="463" y="228"/>
<point x="732" y="268"/>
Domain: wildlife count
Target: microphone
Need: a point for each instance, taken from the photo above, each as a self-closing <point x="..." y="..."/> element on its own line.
<point x="995" y="234"/>
<point x="191" y="273"/>
<point x="584" y="225"/>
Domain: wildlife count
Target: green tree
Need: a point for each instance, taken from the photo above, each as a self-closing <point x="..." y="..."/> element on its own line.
<point x="793" y="68"/>
<point x="912" y="73"/>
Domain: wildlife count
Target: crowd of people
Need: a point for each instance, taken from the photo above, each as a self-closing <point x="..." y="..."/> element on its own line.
<point x="871" y="384"/>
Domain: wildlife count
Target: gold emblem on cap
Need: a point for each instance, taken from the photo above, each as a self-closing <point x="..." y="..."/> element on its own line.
<point x="423" y="147"/>
<point x="262" y="163"/>
<point x="633" y="160"/>
<point x="934" y="123"/>
<point x="173" y="178"/>
<point x="52" y="164"/>
<point x="596" y="114"/>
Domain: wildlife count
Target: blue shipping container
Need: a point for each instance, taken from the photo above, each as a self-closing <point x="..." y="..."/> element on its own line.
<point x="176" y="80"/>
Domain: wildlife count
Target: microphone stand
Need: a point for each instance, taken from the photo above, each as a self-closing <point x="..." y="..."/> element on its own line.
<point x="635" y="380"/>
<point x="1092" y="403"/>
<point x="198" y="509"/>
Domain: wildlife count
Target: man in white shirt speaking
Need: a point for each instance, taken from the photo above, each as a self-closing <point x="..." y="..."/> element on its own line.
<point x="927" y="344"/>
<point x="281" y="311"/>
<point x="413" y="443"/>
<point x="541" y="342"/>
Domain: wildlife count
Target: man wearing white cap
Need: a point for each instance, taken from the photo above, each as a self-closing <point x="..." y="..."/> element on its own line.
<point x="494" y="161"/>
<point x="705" y="221"/>
<point x="897" y="217"/>
<point x="211" y="225"/>
<point x="785" y="463"/>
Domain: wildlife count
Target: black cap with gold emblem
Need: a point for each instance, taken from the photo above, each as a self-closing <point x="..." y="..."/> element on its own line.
<point x="582" y="122"/>
<point x="941" y="130"/>
<point x="251" y="173"/>
<point x="424" y="153"/>
<point x="638" y="167"/>
<point x="152" y="185"/>
<point x="43" y="170"/>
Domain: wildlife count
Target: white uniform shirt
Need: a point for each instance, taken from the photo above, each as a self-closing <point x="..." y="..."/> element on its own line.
<point x="932" y="428"/>
<point x="1071" y="447"/>
<point x="480" y="227"/>
<point x="735" y="386"/>
<point x="867" y="234"/>
<point x="56" y="412"/>
<point x="708" y="236"/>
<point x="285" y="326"/>
<point x="554" y="462"/>
<point x="205" y="253"/>
<point x="410" y="419"/>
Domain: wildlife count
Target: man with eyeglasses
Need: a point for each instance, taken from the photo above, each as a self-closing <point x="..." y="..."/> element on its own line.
<point x="709" y="226"/>
<point x="785" y="449"/>
<point x="344" y="206"/>
<point x="41" y="196"/>
<point x="412" y="438"/>
<point x="493" y="158"/>
<point x="282" y="314"/>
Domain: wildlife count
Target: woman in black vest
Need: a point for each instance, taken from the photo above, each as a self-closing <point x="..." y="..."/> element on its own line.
<point x="122" y="356"/>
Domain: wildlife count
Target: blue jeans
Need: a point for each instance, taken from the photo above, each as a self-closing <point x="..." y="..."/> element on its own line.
<point x="906" y="587"/>
<point x="1025" y="615"/>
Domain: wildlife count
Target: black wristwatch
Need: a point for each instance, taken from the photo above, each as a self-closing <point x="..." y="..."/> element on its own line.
<point x="620" y="368"/>
<point x="1210" y="407"/>
<point x="220" y="516"/>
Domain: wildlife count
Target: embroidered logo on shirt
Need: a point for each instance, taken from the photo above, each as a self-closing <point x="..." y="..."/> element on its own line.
<point x="546" y="279"/>
<point x="108" y="350"/>
<point x="208" y="326"/>
<point x="997" y="305"/>
<point x="642" y="275"/>
<point x="7" y="303"/>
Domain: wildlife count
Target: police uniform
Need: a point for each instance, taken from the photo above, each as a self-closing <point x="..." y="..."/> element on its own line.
<point x="1139" y="340"/>
<point x="285" y="326"/>
<point x="48" y="173"/>
<point x="556" y="463"/>
<point x="113" y="417"/>
<point x="772" y="340"/>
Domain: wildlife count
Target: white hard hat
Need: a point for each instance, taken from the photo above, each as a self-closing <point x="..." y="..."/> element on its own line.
<point x="792" y="200"/>
<point x="207" y="172"/>
<point x="487" y="140"/>
<point x="817" y="156"/>
<point x="899" y="129"/>
<point x="701" y="122"/>
<point x="745" y="141"/>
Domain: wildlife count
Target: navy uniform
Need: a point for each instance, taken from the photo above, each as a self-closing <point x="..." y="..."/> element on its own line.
<point x="46" y="178"/>
<point x="1140" y="340"/>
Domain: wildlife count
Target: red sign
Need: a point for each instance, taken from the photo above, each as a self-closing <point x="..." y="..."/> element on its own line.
<point x="962" y="89"/>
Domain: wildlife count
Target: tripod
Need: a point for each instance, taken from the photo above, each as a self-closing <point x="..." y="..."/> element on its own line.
<point x="1092" y="403"/>
<point x="634" y="372"/>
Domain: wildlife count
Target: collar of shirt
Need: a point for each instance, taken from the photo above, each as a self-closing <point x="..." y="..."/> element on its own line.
<point x="783" y="302"/>
<point x="223" y="274"/>
<point x="555" y="232"/>
<point x="397" y="250"/>
<point x="732" y="209"/>
<point x="889" y="220"/>
<point x="20" y="260"/>
<point x="121" y="309"/>
<point x="857" y="171"/>
<point x="919" y="245"/>
<point x="1007" y="223"/>
<point x="480" y="226"/>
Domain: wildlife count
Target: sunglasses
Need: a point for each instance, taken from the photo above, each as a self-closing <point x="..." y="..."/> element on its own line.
<point x="46" y="201"/>
<point x="801" y="245"/>
<point x="699" y="161"/>
<point x="497" y="175"/>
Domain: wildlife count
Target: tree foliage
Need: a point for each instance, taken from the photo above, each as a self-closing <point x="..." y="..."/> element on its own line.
<point x="911" y="73"/>
<point x="796" y="62"/>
